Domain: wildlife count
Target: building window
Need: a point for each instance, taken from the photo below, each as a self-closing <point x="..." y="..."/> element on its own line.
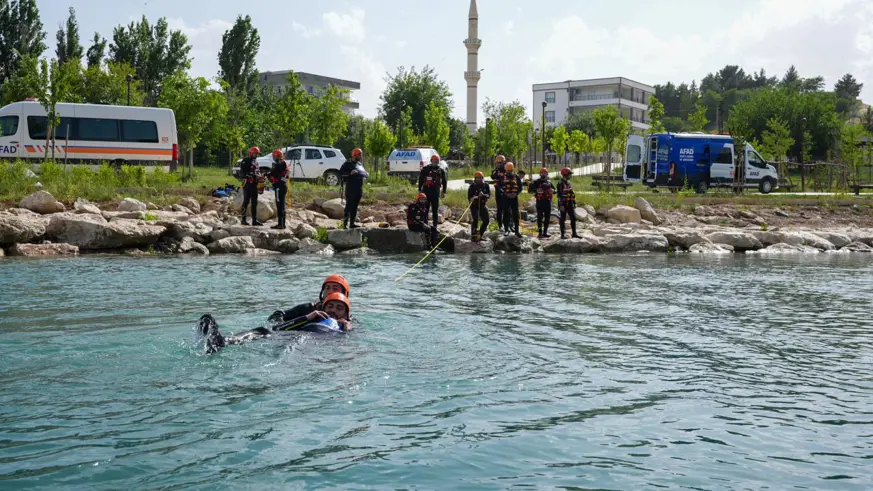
<point x="550" y="97"/>
<point x="550" y="116"/>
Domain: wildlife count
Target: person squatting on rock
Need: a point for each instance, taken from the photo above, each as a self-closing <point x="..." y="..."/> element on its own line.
<point x="251" y="175"/>
<point x="543" y="189"/>
<point x="279" y="178"/>
<point x="478" y="194"/>
<point x="497" y="176"/>
<point x="567" y="202"/>
<point x="416" y="214"/>
<point x="511" y="187"/>
<point x="353" y="174"/>
<point x="433" y="181"/>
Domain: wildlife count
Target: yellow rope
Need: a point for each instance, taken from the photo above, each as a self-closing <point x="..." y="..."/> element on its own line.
<point x="435" y="247"/>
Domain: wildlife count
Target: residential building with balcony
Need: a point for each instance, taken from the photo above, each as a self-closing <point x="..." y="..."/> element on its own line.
<point x="313" y="84"/>
<point x="563" y="99"/>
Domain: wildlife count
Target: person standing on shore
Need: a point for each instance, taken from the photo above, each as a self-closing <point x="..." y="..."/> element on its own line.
<point x="279" y="177"/>
<point x="353" y="174"/>
<point x="497" y="176"/>
<point x="511" y="187"/>
<point x="543" y="189"/>
<point x="478" y="194"/>
<point x="251" y="174"/>
<point x="433" y="182"/>
<point x="567" y="202"/>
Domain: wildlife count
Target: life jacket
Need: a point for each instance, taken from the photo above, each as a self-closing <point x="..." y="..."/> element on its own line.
<point x="250" y="170"/>
<point x="510" y="185"/>
<point x="433" y="177"/>
<point x="567" y="195"/>
<point x="499" y="176"/>
<point x="544" y="190"/>
<point x="279" y="172"/>
<point x="415" y="212"/>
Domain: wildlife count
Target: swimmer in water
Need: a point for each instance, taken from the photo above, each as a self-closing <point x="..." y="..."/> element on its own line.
<point x="333" y="318"/>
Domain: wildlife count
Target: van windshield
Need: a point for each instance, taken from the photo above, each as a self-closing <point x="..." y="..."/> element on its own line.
<point x="8" y="125"/>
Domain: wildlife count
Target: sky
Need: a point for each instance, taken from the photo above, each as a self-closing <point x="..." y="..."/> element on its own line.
<point x="523" y="42"/>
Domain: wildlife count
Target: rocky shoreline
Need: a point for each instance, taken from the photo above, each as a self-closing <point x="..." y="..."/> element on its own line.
<point x="42" y="227"/>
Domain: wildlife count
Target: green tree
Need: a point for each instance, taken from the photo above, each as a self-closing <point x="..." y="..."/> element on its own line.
<point x="436" y="128"/>
<point x="611" y="127"/>
<point x="580" y="120"/>
<point x="57" y="86"/>
<point x="851" y="153"/>
<point x="97" y="51"/>
<point x="379" y="141"/>
<point x="109" y="85"/>
<point x="848" y="90"/>
<point x="776" y="140"/>
<point x="68" y="47"/>
<point x="511" y="127"/>
<point x="458" y="135"/>
<point x="697" y="120"/>
<point x="236" y="58"/>
<point x="356" y="132"/>
<point x="405" y="132"/>
<point x="328" y="120"/>
<point x="24" y="83"/>
<point x="21" y="35"/>
<point x="238" y="115"/>
<point x="154" y="51"/>
<point x="559" y="144"/>
<point x="577" y="143"/>
<point x="414" y="90"/>
<point x="868" y="119"/>
<point x="470" y="145"/>
<point x="293" y="112"/>
<point x="656" y="115"/>
<point x="675" y="124"/>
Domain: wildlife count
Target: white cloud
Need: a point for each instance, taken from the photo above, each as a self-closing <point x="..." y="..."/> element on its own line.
<point x="508" y="27"/>
<point x="205" y="40"/>
<point x="305" y="32"/>
<point x="400" y="44"/>
<point x="370" y="72"/>
<point x="349" y="27"/>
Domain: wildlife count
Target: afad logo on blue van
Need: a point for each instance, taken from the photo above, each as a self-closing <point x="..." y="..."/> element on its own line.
<point x="686" y="154"/>
<point x="8" y="149"/>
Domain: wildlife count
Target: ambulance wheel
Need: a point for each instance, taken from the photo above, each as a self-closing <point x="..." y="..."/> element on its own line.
<point x="766" y="186"/>
<point x="701" y="187"/>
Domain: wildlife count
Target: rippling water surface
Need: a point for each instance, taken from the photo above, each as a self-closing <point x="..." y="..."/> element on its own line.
<point x="575" y="372"/>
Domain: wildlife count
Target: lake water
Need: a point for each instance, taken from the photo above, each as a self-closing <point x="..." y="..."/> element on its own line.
<point x="482" y="372"/>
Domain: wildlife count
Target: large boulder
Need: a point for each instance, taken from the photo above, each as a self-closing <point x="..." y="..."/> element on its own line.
<point x="513" y="243"/>
<point x="43" y="250"/>
<point x="624" y="214"/>
<point x="189" y="246"/>
<point x="182" y="209"/>
<point x="334" y="208"/>
<point x="130" y="204"/>
<point x="312" y="246"/>
<point x="231" y="245"/>
<point x="395" y="240"/>
<point x="710" y="248"/>
<point x="192" y="204"/>
<point x="82" y="205"/>
<point x="42" y="202"/>
<point x="266" y="206"/>
<point x="360" y="251"/>
<point x="767" y="238"/>
<point x="857" y="247"/>
<point x="740" y="241"/>
<point x="305" y="231"/>
<point x="463" y="246"/>
<point x="862" y="235"/>
<point x="634" y="243"/>
<point x="806" y="239"/>
<point x="345" y="239"/>
<point x="289" y="246"/>
<point x="94" y="232"/>
<point x="263" y="238"/>
<point x="198" y="231"/>
<point x="837" y="239"/>
<point x="646" y="211"/>
<point x="218" y="234"/>
<point x="21" y="228"/>
<point x="587" y="243"/>
<point x="783" y="248"/>
<point x="685" y="238"/>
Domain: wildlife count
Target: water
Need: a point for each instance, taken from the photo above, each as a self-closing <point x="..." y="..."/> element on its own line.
<point x="582" y="372"/>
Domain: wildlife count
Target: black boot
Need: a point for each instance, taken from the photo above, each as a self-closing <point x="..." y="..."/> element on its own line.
<point x="245" y="221"/>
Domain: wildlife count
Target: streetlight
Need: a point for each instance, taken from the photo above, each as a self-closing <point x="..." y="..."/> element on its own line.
<point x="129" y="79"/>
<point x="544" y="134"/>
<point x="402" y="106"/>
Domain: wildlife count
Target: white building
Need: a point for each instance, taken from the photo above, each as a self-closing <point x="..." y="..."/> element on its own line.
<point x="313" y="84"/>
<point x="566" y="98"/>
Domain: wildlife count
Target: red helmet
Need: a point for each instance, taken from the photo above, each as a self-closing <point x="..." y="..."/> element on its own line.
<point x="356" y="153"/>
<point x="254" y="151"/>
<point x="277" y="154"/>
<point x="544" y="170"/>
<point x="339" y="280"/>
<point x="339" y="297"/>
<point x="434" y="158"/>
<point x="566" y="171"/>
<point x="478" y="174"/>
<point x="421" y="196"/>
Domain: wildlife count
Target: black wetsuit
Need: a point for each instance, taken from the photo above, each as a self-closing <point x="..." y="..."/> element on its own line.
<point x="251" y="172"/>
<point x="567" y="205"/>
<point x="416" y="217"/>
<point x="432" y="179"/>
<point x="497" y="176"/>
<point x="479" y="209"/>
<point x="511" y="187"/>
<point x="207" y="328"/>
<point x="543" y="189"/>
<point x="354" y="184"/>
<point x="279" y="178"/>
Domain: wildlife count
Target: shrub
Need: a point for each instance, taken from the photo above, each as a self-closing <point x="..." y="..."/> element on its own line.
<point x="132" y="176"/>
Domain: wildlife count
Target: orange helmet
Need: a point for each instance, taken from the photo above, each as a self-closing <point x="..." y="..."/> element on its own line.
<point x="501" y="158"/>
<point x="434" y="158"/>
<point x="421" y="196"/>
<point x="339" y="297"/>
<point x="566" y="171"/>
<point x="509" y="166"/>
<point x="339" y="280"/>
<point x="544" y="170"/>
<point x="478" y="174"/>
<point x="356" y="153"/>
<point x="277" y="154"/>
<point x="254" y="151"/>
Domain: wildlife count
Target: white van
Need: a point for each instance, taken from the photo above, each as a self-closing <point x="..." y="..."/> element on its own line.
<point x="407" y="162"/>
<point x="97" y="133"/>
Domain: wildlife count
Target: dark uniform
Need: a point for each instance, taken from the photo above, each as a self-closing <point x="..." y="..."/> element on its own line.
<point x="432" y="179"/>
<point x="354" y="184"/>
<point x="251" y="173"/>
<point x="279" y="178"/>
<point x="480" y="192"/>
<point x="567" y="205"/>
<point x="511" y="187"/>
<point x="497" y="176"/>
<point x="543" y="189"/>
<point x="416" y="216"/>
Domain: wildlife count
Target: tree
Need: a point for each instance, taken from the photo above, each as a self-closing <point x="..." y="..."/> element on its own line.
<point x="436" y="128"/>
<point x="405" y="132"/>
<point x="868" y="119"/>
<point x="293" y="112"/>
<point x="611" y="127"/>
<point x="580" y="120"/>
<point x="656" y="115"/>
<point x="697" y="120"/>
<point x="776" y="140"/>
<point x="236" y="59"/>
<point x="458" y="135"/>
<point x="68" y="47"/>
<point x="577" y="143"/>
<point x="511" y="127"/>
<point x="379" y="141"/>
<point x="559" y="144"/>
<point x="97" y="51"/>
<point x="155" y="52"/>
<point x="470" y="145"/>
<point x="414" y="90"/>
<point x="56" y="87"/>
<point x="109" y="85"/>
<point x="328" y="120"/>
<point x="851" y="152"/>
<point x="357" y="129"/>
<point x="848" y="90"/>
<point x="791" y="77"/>
<point x="24" y="83"/>
<point x="21" y="35"/>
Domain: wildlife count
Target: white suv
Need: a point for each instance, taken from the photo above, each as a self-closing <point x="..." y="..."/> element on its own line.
<point x="308" y="162"/>
<point x="407" y="162"/>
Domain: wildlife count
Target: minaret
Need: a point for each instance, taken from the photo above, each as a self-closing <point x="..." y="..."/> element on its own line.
<point x="472" y="74"/>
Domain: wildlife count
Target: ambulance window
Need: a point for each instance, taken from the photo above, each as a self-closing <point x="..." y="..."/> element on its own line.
<point x="634" y="154"/>
<point x="725" y="156"/>
<point x="8" y="125"/>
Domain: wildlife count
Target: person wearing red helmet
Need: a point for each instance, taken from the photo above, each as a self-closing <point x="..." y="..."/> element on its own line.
<point x="416" y="214"/>
<point x="433" y="181"/>
<point x="478" y="194"/>
<point x="512" y="185"/>
<point x="567" y="202"/>
<point x="251" y="174"/>
<point x="352" y="173"/>
<point x="279" y="177"/>
<point x="543" y="189"/>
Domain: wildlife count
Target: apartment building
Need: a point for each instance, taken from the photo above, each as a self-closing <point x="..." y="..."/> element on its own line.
<point x="566" y="98"/>
<point x="313" y="84"/>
